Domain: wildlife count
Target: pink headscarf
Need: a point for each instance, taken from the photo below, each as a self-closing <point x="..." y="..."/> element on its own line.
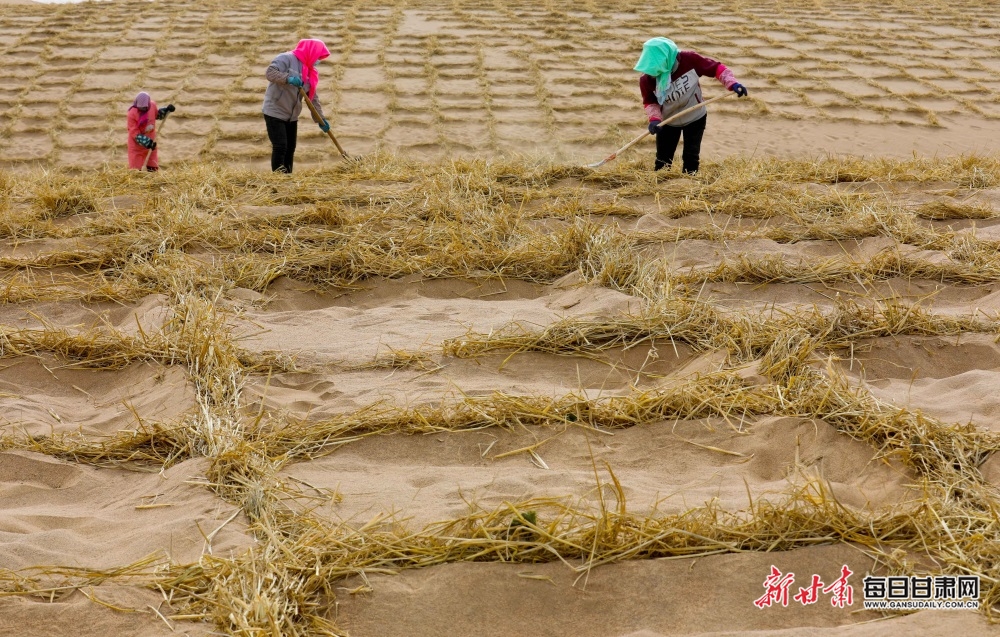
<point x="309" y="52"/>
<point x="142" y="102"/>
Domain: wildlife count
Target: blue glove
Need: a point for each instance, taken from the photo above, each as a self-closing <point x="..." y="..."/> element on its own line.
<point x="324" y="126"/>
<point x="295" y="81"/>
<point x="654" y="127"/>
<point x="145" y="142"/>
<point x="739" y="89"/>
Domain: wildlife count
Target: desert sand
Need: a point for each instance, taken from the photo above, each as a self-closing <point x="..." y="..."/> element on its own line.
<point x="444" y="80"/>
<point x="464" y="385"/>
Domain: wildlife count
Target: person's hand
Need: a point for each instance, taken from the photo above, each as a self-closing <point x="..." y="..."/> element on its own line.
<point x="161" y="113"/>
<point x="654" y="127"/>
<point x="324" y="126"/>
<point x="739" y="89"/>
<point x="145" y="142"/>
<point x="295" y="81"/>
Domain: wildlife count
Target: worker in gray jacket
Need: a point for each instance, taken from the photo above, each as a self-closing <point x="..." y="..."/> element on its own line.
<point x="287" y="73"/>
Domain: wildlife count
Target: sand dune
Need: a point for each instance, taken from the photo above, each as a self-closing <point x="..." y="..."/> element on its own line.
<point x="27" y="617"/>
<point x="49" y="395"/>
<point x="462" y="385"/>
<point x="656" y="597"/>
<point x="949" y="378"/>
<point x="149" y="315"/>
<point x="432" y="80"/>
<point x="57" y="513"/>
<point x="315" y="394"/>
<point x="666" y="467"/>
<point x="303" y="374"/>
<point x="271" y="366"/>
<point x="433" y="311"/>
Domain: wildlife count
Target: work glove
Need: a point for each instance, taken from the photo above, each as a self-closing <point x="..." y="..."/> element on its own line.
<point x="161" y="113"/>
<point x="294" y="81"/>
<point x="654" y="127"/>
<point x="324" y="126"/>
<point x="145" y="142"/>
<point x="739" y="89"/>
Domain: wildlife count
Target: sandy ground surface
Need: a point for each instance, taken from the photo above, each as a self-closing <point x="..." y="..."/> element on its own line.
<point x="437" y="81"/>
<point x="341" y="342"/>
<point x="634" y="599"/>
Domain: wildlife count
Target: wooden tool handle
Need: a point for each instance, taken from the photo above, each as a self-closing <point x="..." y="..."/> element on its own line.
<point x="149" y="153"/>
<point x="674" y="117"/>
<point x="316" y="115"/>
<point x="666" y="121"/>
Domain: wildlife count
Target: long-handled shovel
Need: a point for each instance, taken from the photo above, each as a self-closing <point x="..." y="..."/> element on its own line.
<point x="149" y="153"/>
<point x="666" y="121"/>
<point x="312" y="108"/>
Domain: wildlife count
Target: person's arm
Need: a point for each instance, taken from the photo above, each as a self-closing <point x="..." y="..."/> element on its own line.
<point x="279" y="72"/>
<point x="132" y="123"/>
<point x="319" y="109"/>
<point x="135" y="135"/>
<point x="647" y="86"/>
<point x="151" y="117"/>
<point x="321" y="121"/>
<point x="707" y="67"/>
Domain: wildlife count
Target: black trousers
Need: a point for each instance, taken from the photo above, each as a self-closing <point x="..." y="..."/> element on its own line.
<point x="282" y="135"/>
<point x="666" y="144"/>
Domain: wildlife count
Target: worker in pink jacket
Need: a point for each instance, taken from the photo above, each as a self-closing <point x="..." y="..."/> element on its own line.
<point x="141" y="122"/>
<point x="669" y="84"/>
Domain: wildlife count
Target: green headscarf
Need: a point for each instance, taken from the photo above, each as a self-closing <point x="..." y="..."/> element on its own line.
<point x="657" y="59"/>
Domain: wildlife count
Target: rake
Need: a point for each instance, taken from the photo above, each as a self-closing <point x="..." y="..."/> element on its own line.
<point x="312" y="108"/>
<point x="666" y="121"/>
<point x="159" y="131"/>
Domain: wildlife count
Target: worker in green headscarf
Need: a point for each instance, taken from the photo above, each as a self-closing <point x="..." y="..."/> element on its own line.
<point x="669" y="84"/>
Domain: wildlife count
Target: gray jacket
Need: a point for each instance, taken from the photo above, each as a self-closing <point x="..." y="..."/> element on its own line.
<point x="282" y="100"/>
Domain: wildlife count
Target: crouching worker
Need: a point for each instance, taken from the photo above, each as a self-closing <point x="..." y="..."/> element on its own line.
<point x="287" y="73"/>
<point x="669" y="84"/>
<point x="141" y="122"/>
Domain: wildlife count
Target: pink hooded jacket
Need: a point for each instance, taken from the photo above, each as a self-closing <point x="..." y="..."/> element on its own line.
<point x="140" y="123"/>
<point x="309" y="52"/>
